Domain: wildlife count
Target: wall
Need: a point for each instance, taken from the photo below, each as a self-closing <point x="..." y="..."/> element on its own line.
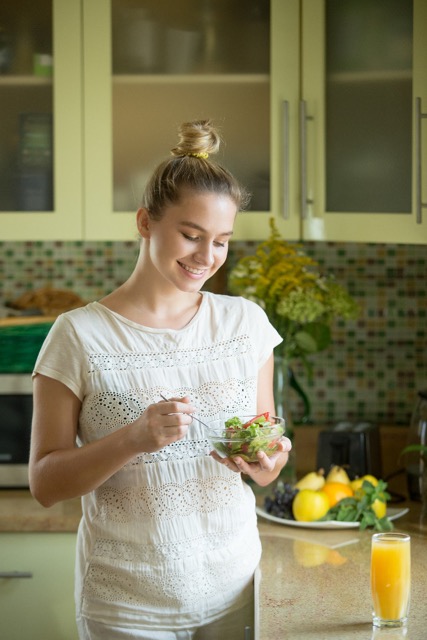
<point x="375" y="365"/>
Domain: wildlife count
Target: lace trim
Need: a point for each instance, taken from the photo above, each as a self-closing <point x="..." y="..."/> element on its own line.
<point x="169" y="500"/>
<point x="179" y="589"/>
<point x="133" y="553"/>
<point x="107" y="411"/>
<point x="231" y="348"/>
<point x="180" y="450"/>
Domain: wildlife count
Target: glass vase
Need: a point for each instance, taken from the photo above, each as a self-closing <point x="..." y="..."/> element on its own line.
<point x="281" y="386"/>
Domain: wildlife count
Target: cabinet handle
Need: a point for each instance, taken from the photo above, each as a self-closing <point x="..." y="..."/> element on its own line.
<point x="420" y="205"/>
<point x="303" y="157"/>
<point x="285" y="116"/>
<point x="16" y="574"/>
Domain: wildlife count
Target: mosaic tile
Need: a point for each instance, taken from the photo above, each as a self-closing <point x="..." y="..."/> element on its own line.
<point x="374" y="367"/>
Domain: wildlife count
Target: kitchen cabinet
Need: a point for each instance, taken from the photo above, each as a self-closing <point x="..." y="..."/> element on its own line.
<point x="41" y="169"/>
<point x="355" y="123"/>
<point x="126" y="74"/>
<point x="37" y="586"/>
<point x="199" y="59"/>
<point x="283" y="80"/>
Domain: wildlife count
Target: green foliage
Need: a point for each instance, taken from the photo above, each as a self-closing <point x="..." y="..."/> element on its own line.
<point x="299" y="300"/>
<point x="360" y="510"/>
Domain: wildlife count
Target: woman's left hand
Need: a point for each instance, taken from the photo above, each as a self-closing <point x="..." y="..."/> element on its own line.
<point x="266" y="469"/>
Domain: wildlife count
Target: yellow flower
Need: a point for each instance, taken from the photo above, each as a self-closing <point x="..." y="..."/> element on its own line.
<point x="300" y="301"/>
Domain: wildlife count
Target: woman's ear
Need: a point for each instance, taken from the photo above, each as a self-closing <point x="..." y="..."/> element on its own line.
<point x="143" y="222"/>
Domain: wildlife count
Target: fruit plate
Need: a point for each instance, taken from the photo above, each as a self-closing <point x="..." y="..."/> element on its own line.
<point x="392" y="514"/>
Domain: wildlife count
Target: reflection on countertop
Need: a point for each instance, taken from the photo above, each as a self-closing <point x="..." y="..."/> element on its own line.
<point x="312" y="584"/>
<point x="315" y="584"/>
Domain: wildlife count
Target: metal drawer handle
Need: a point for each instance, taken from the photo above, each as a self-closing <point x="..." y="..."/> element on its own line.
<point x="420" y="205"/>
<point x="16" y="574"/>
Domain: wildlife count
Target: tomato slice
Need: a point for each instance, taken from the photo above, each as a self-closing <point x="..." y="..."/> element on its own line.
<point x="266" y="415"/>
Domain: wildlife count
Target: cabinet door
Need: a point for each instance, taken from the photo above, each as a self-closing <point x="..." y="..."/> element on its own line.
<point x="156" y="65"/>
<point x="363" y="67"/>
<point x="40" y="123"/>
<point x="37" y="586"/>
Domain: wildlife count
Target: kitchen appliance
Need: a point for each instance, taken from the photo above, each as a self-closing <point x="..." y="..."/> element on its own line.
<point x="354" y="446"/>
<point x="16" y="407"/>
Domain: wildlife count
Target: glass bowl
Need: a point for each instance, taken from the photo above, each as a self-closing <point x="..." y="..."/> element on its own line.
<point x="246" y="441"/>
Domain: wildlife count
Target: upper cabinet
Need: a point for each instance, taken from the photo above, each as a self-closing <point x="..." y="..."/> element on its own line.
<point x="155" y="65"/>
<point x="321" y="104"/>
<point x="355" y="129"/>
<point x="41" y="169"/>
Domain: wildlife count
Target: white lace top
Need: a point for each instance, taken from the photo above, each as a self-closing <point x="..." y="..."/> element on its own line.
<point x="171" y="539"/>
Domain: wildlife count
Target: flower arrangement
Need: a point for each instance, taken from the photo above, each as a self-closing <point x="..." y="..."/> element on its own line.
<point x="299" y="300"/>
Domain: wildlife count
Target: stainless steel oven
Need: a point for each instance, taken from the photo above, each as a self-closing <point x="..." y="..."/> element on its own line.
<point x="16" y="407"/>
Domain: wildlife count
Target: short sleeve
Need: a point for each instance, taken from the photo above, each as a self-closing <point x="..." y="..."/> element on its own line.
<point x="61" y="356"/>
<point x="264" y="335"/>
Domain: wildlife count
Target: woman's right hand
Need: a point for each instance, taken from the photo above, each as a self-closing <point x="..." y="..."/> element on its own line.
<point x="163" y="423"/>
<point x="60" y="470"/>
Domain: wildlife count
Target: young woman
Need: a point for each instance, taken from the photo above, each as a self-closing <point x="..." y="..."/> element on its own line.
<point x="168" y="542"/>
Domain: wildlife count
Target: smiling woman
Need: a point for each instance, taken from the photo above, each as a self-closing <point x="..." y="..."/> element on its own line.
<point x="169" y="543"/>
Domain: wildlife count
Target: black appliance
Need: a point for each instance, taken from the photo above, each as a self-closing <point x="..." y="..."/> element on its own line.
<point x="354" y="446"/>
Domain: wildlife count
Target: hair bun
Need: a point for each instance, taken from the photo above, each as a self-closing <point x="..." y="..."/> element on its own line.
<point x="197" y="139"/>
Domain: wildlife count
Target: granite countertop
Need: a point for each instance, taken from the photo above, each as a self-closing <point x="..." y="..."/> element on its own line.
<point x="313" y="584"/>
<point x="19" y="512"/>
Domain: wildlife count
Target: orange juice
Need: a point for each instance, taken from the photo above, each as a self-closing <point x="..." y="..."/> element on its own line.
<point x="390" y="578"/>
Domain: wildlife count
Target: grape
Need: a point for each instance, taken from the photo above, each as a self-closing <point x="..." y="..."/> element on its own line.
<point x="279" y="504"/>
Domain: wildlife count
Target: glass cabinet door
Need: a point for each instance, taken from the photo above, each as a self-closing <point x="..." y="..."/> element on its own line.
<point x="362" y="63"/>
<point x="40" y="110"/>
<point x="26" y="140"/>
<point x="168" y="63"/>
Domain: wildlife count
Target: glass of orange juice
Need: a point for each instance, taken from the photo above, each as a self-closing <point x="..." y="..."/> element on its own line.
<point x="390" y="578"/>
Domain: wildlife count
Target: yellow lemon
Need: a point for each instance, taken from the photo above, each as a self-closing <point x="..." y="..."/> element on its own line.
<point x="372" y="479"/>
<point x="379" y="508"/>
<point x="309" y="505"/>
<point x="356" y="484"/>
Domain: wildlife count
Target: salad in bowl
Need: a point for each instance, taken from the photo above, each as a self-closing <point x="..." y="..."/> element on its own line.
<point x="244" y="436"/>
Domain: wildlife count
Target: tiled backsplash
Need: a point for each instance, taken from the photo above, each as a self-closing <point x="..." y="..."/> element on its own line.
<point x="375" y="365"/>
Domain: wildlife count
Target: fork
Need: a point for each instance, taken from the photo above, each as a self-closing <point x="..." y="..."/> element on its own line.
<point x="192" y="415"/>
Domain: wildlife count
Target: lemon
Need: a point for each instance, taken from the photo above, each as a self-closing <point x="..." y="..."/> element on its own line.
<point x="379" y="508"/>
<point x="372" y="479"/>
<point x="310" y="505"/>
<point x="356" y="484"/>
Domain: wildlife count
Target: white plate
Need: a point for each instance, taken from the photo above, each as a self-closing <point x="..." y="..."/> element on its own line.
<point x="392" y="514"/>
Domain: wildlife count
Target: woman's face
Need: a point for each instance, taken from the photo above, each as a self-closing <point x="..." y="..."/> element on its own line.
<point x="190" y="242"/>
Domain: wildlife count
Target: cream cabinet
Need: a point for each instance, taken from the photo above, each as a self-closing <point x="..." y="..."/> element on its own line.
<point x="41" y="169"/>
<point x="37" y="586"/>
<point x="323" y="113"/>
<point x="354" y="90"/>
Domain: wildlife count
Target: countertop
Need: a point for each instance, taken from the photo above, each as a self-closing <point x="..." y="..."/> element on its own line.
<point x="313" y="584"/>
<point x="19" y="512"/>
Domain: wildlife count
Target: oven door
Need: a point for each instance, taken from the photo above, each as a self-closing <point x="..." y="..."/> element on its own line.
<point x="16" y="408"/>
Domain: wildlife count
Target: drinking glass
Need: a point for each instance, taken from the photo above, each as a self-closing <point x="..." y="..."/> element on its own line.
<point x="390" y="578"/>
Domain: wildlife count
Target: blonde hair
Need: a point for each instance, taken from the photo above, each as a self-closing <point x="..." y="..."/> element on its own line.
<point x="190" y="169"/>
